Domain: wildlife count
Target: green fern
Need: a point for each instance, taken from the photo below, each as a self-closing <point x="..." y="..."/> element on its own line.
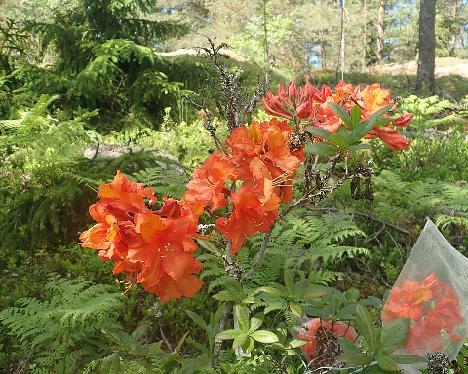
<point x="57" y="331"/>
<point x="300" y="240"/>
<point x="400" y="201"/>
<point x="168" y="180"/>
<point x="304" y="238"/>
<point x="432" y="111"/>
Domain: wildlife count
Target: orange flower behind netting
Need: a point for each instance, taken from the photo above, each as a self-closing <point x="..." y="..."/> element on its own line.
<point x="432" y="292"/>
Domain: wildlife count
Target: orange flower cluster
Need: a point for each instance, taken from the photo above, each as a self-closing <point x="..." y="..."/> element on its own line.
<point x="251" y="176"/>
<point x="259" y="162"/>
<point x="155" y="248"/>
<point x="310" y="329"/>
<point x="310" y="103"/>
<point x="434" y="310"/>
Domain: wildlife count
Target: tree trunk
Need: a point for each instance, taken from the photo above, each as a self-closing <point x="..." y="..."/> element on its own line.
<point x="323" y="52"/>
<point x="342" y="40"/>
<point x="453" y="37"/>
<point x="380" y="32"/>
<point x="426" y="59"/>
<point x="364" y="53"/>
<point x="265" y="41"/>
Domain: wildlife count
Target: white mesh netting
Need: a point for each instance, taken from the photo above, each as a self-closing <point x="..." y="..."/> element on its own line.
<point x="432" y="291"/>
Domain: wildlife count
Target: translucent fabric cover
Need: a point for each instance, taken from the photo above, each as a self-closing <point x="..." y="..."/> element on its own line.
<point x="432" y="291"/>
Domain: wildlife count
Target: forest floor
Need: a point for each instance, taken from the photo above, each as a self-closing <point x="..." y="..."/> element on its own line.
<point x="445" y="66"/>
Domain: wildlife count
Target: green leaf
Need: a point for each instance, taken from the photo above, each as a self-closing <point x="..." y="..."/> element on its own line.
<point x="386" y="363"/>
<point x="275" y="305"/>
<point x="180" y="342"/>
<point x="264" y="336"/>
<point x="321" y="148"/>
<point x="199" y="321"/>
<point x="239" y="340"/>
<point x="225" y="296"/>
<point x="296" y="343"/>
<point x="380" y="112"/>
<point x="249" y="345"/>
<point x="319" y="132"/>
<point x="357" y="147"/>
<point x="289" y="281"/>
<point x="234" y="287"/>
<point x="394" y="335"/>
<point x="351" y="354"/>
<point x="374" y="369"/>
<point x="383" y="121"/>
<point x="242" y="315"/>
<point x="360" y="130"/>
<point x="272" y="291"/>
<point x="312" y="292"/>
<point x="408" y="359"/>
<point x="355" y="115"/>
<point x="365" y="326"/>
<point x="228" y="334"/>
<point x="339" y="140"/>
<point x="347" y="312"/>
<point x="341" y="113"/>
<point x="296" y="309"/>
<point x="219" y="314"/>
<point x="365" y="126"/>
<point x="255" y="323"/>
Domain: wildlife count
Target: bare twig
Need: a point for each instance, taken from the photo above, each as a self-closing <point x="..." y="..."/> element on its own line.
<point x="169" y="346"/>
<point x="232" y="101"/>
<point x="377" y="233"/>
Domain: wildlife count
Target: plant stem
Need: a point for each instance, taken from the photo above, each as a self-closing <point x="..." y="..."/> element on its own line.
<point x="227" y="310"/>
<point x="313" y="199"/>
<point x="221" y="327"/>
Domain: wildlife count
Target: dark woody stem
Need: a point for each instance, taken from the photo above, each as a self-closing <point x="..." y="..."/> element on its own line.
<point x="227" y="311"/>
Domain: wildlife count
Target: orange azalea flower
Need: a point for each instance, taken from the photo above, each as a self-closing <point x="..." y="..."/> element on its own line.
<point x="267" y="141"/>
<point x="171" y="275"/>
<point x="249" y="217"/>
<point x="346" y="95"/>
<point x="403" y="120"/>
<point x="392" y="138"/>
<point x="110" y="236"/>
<point x="293" y="102"/>
<point x="176" y="233"/>
<point x="371" y="99"/>
<point x="246" y="143"/>
<point x="126" y="194"/>
<point x="276" y="146"/>
<point x="207" y="184"/>
<point x="266" y="165"/>
<point x="433" y="308"/>
<point x="154" y="248"/>
<point x="263" y="183"/>
<point x="309" y="330"/>
<point x="406" y="301"/>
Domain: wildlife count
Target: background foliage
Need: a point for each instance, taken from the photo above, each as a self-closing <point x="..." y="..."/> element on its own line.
<point x="86" y="89"/>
